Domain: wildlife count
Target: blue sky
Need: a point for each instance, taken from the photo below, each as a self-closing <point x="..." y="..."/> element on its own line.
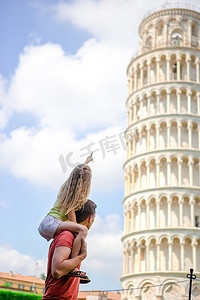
<point x="63" y="89"/>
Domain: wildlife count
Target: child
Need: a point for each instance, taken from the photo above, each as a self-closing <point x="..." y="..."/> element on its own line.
<point x="72" y="196"/>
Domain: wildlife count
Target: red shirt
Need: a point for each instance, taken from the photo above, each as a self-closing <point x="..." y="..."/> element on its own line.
<point x="64" y="287"/>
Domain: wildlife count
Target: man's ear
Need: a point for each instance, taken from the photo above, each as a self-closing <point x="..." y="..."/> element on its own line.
<point x="90" y="219"/>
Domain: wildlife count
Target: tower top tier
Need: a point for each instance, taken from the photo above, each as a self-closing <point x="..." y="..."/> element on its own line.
<point x="169" y="26"/>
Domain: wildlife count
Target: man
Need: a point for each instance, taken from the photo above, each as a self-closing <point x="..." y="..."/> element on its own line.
<point x="59" y="285"/>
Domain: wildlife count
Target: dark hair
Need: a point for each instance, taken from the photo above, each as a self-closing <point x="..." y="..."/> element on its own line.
<point x="87" y="210"/>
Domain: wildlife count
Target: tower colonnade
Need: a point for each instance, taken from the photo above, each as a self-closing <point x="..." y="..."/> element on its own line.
<point x="182" y="66"/>
<point x="176" y="133"/>
<point x="165" y="170"/>
<point x="174" y="252"/>
<point x="161" y="239"/>
<point x="175" y="99"/>
<point x="161" y="211"/>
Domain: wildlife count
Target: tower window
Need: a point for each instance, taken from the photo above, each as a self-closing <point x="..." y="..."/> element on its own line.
<point x="174" y="68"/>
<point x="194" y="30"/>
<point x="176" y="39"/>
<point x="197" y="221"/>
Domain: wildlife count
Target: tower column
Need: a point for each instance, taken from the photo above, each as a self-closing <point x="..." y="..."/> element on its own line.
<point x="157" y="137"/>
<point x="199" y="135"/>
<point x="134" y="144"/>
<point x="198" y="103"/>
<point x="189" y="135"/>
<point x="126" y="184"/>
<point x="168" y="69"/>
<point x="180" y="172"/>
<point x="148" y="217"/>
<point x="168" y="172"/>
<point x="147" y="258"/>
<point x="169" y="212"/>
<point x="139" y="216"/>
<point x="157" y="70"/>
<point x="179" y="135"/>
<point x="126" y="222"/>
<point x="132" y="219"/>
<point x="141" y="108"/>
<point x="170" y="256"/>
<point x="135" y="115"/>
<point x="192" y="202"/>
<point x="148" y="105"/>
<point x="157" y="103"/>
<point x="142" y="77"/>
<point x="181" y="211"/>
<point x="168" y="136"/>
<point x="194" y="255"/>
<point x="148" y="73"/>
<point x="182" y="256"/>
<point x="157" y="173"/>
<point x="139" y="257"/>
<point x="189" y="102"/>
<point x="188" y="69"/>
<point x="168" y="102"/>
<point x="166" y="32"/>
<point x="132" y="259"/>
<point x="124" y="265"/>
<point x="197" y="70"/>
<point x="148" y="139"/>
<point x="148" y="176"/>
<point x="132" y="114"/>
<point x="135" y="80"/>
<point x="178" y="69"/>
<point x="199" y="173"/>
<point x="157" y="214"/>
<point x="158" y="257"/>
<point x="178" y="102"/>
<point x="190" y="33"/>
<point x="191" y="172"/>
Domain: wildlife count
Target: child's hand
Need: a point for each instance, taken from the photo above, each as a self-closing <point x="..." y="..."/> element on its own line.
<point x="89" y="159"/>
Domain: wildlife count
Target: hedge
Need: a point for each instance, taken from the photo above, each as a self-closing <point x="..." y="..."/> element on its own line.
<point x="8" y="295"/>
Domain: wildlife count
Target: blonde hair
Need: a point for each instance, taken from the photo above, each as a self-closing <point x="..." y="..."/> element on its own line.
<point x="74" y="192"/>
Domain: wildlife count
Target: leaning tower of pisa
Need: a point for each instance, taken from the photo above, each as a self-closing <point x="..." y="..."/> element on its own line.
<point x="161" y="238"/>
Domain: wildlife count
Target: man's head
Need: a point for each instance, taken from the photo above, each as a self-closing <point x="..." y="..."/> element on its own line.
<point x="86" y="215"/>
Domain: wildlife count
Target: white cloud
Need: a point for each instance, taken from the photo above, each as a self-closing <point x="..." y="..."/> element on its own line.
<point x="35" y="156"/>
<point x="3" y="204"/>
<point x="84" y="91"/>
<point x="68" y="95"/>
<point x="12" y="260"/>
<point x="4" y="113"/>
<point x="105" y="247"/>
<point x="110" y="20"/>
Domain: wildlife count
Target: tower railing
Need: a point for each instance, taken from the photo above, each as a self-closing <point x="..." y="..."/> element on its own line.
<point x="175" y="5"/>
<point x="174" y="44"/>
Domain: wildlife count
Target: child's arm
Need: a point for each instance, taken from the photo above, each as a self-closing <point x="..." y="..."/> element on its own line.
<point x="72" y="216"/>
<point x="89" y="159"/>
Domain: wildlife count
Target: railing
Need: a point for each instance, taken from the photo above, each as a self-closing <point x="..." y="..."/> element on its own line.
<point x="174" y="44"/>
<point x="169" y="5"/>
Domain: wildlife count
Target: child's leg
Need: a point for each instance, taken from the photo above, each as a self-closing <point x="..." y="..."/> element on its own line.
<point x="73" y="227"/>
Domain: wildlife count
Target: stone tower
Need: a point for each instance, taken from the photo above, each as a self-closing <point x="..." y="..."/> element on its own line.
<point x="161" y="238"/>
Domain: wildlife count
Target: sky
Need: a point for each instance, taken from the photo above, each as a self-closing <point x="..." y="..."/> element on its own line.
<point x="63" y="89"/>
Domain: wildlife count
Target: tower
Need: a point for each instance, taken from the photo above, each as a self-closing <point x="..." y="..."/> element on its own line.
<point x="161" y="238"/>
